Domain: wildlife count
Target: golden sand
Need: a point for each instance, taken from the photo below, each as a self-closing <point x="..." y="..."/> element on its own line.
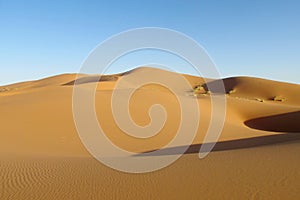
<point x="256" y="157"/>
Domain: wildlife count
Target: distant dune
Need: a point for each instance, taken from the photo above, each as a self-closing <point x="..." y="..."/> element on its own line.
<point x="256" y="157"/>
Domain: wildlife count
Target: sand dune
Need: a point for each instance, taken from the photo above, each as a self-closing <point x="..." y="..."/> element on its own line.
<point x="256" y="156"/>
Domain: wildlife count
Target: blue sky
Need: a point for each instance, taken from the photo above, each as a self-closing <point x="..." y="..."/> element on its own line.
<point x="255" y="38"/>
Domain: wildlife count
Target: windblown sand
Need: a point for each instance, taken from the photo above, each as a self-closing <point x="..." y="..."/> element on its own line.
<point x="256" y="157"/>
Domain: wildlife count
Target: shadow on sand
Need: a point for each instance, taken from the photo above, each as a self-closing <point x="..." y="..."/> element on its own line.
<point x="92" y="79"/>
<point x="288" y="123"/>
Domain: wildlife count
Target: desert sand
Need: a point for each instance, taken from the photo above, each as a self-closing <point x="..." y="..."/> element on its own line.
<point x="256" y="157"/>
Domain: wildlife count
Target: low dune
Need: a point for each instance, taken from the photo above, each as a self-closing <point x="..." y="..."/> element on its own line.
<point x="256" y="156"/>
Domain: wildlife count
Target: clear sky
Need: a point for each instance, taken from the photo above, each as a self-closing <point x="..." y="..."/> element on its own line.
<point x="255" y="38"/>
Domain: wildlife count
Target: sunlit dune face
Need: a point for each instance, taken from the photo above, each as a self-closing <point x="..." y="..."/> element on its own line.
<point x="139" y="105"/>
